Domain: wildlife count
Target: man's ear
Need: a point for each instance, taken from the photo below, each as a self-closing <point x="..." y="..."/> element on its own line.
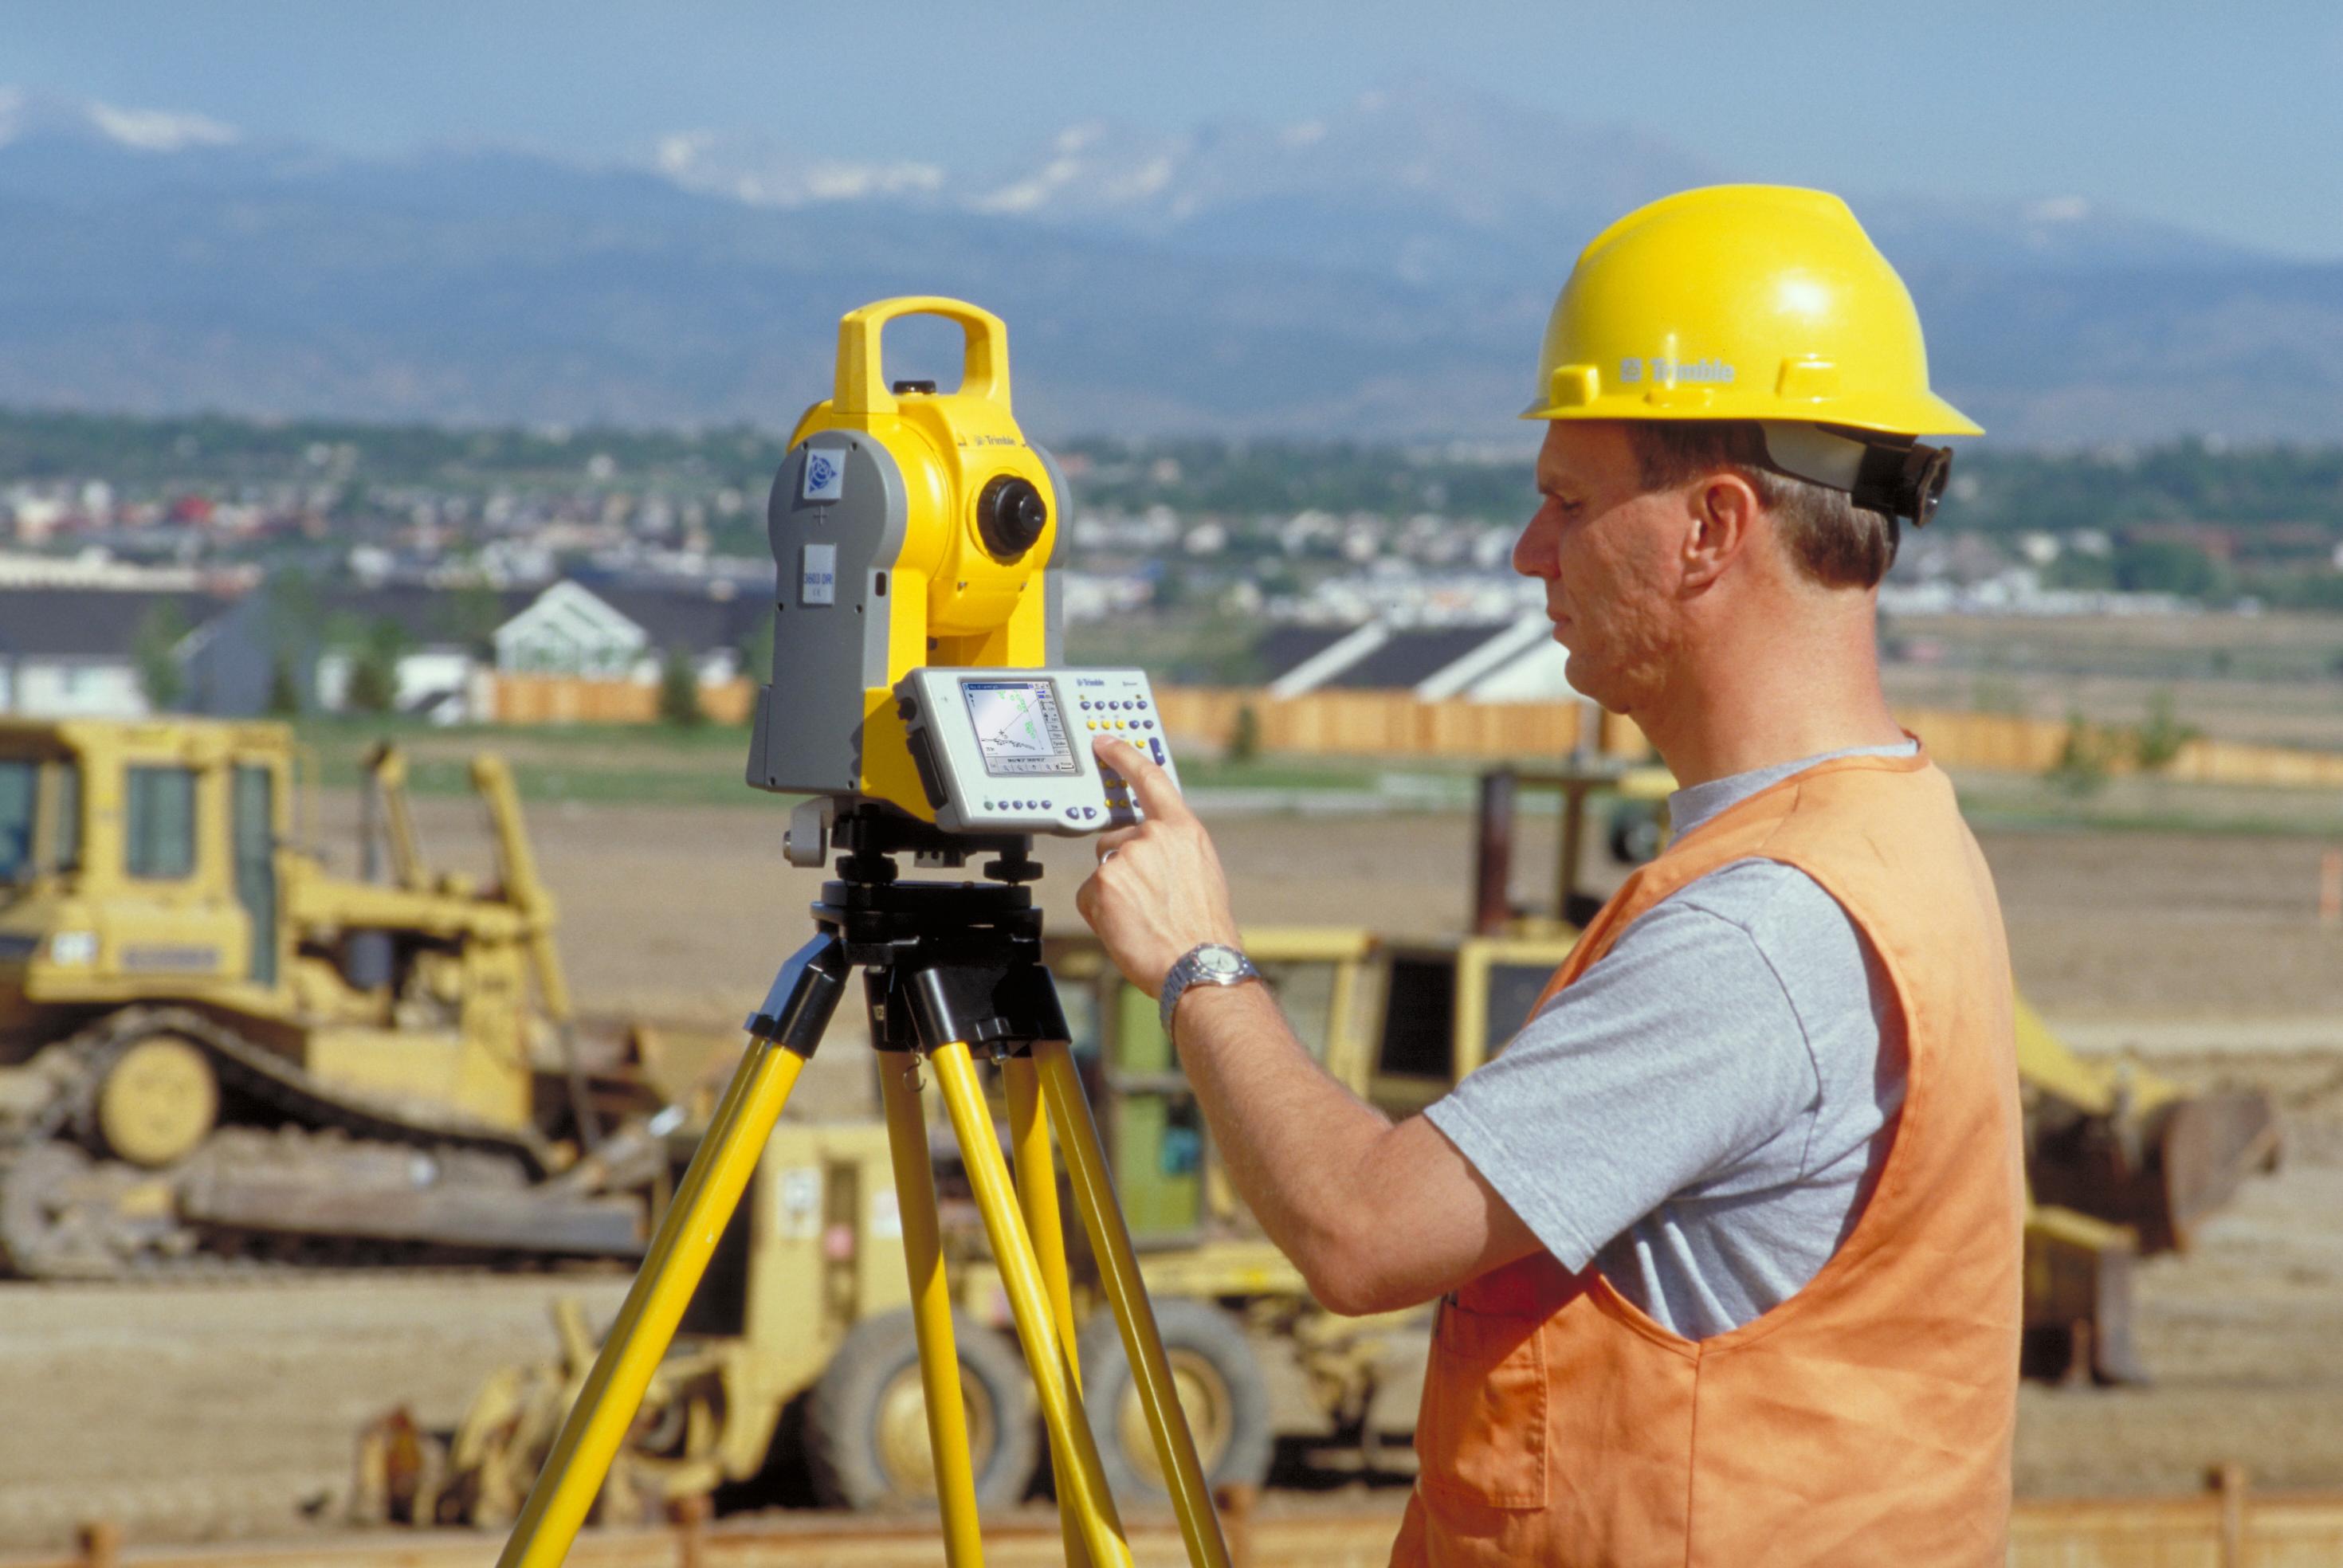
<point x="1724" y="516"/>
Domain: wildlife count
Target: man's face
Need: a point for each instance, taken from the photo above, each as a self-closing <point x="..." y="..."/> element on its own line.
<point x="1609" y="554"/>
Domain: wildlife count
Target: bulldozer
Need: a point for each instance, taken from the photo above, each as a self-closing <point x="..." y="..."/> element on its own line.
<point x="212" y="1048"/>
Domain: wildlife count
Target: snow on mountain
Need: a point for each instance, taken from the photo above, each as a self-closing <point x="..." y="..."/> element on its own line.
<point x="24" y="114"/>
<point x="1421" y="182"/>
<point x="760" y="171"/>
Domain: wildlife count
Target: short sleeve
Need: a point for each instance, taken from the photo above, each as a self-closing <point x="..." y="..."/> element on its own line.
<point x="1670" y="1059"/>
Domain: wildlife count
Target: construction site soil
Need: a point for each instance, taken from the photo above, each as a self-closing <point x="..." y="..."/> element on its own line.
<point x="227" y="1406"/>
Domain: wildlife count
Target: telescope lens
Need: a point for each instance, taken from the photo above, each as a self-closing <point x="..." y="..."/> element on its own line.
<point x="1010" y="517"/>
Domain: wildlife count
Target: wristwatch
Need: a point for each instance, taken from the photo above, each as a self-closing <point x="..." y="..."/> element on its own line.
<point x="1207" y="963"/>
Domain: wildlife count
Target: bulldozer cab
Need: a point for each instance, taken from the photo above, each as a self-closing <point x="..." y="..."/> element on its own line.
<point x="140" y="859"/>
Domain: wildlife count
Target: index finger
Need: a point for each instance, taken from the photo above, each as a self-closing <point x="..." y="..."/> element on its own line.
<point x="1158" y="795"/>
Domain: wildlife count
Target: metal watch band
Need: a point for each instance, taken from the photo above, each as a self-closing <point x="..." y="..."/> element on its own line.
<point x="1190" y="970"/>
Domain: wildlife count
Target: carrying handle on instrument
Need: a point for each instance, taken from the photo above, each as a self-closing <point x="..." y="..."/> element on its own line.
<point x="861" y="379"/>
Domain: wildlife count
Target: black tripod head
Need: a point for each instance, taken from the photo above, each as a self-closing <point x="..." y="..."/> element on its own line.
<point x="868" y="835"/>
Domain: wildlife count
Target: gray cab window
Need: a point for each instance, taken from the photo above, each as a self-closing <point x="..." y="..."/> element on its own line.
<point x="19" y="790"/>
<point x="159" y="823"/>
<point x="64" y="830"/>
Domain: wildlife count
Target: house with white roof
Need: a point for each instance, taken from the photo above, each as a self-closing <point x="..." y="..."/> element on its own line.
<point x="1505" y="661"/>
<point x="567" y="630"/>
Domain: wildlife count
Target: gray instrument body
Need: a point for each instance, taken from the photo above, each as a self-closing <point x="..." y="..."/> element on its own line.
<point x="1009" y="750"/>
<point x="836" y="545"/>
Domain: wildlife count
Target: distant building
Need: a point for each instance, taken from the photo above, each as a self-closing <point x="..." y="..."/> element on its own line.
<point x="619" y="631"/>
<point x="451" y="641"/>
<point x="1505" y="661"/>
<point x="569" y="630"/>
<point x="92" y="568"/>
<point x="233" y="665"/>
<point x="74" y="651"/>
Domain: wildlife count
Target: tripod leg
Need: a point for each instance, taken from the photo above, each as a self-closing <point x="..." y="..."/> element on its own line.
<point x="915" y="1195"/>
<point x="1037" y="1195"/>
<point x="1151" y="1373"/>
<point x="803" y="995"/>
<point x="1081" y="1485"/>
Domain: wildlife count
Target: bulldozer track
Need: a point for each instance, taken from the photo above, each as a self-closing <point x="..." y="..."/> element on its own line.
<point x="309" y="1108"/>
<point x="255" y="1071"/>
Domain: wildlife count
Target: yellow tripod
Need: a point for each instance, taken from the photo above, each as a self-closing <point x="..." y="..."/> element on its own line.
<point x="949" y="969"/>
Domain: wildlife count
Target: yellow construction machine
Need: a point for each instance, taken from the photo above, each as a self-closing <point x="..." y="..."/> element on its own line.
<point x="797" y="1358"/>
<point x="212" y="1046"/>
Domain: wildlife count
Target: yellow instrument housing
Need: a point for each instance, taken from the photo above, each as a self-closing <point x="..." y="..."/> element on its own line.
<point x="946" y="596"/>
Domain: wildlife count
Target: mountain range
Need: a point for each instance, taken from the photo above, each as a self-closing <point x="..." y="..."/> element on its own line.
<point x="1382" y="272"/>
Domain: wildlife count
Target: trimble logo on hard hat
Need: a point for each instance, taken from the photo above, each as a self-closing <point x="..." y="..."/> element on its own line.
<point x="1664" y="369"/>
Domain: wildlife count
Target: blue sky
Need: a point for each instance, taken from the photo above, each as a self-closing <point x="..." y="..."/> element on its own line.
<point x="2225" y="119"/>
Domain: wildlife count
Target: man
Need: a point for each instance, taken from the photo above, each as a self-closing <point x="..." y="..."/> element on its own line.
<point x="1727" y="1239"/>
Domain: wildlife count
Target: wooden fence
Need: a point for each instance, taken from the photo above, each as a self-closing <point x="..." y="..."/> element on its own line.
<point x="572" y="699"/>
<point x="1396" y="724"/>
<point x="1378" y="723"/>
<point x="1375" y="723"/>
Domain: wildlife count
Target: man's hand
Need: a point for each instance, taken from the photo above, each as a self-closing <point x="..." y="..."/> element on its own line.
<point x="1159" y="889"/>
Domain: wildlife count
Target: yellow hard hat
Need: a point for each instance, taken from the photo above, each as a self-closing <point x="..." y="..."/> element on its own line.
<point x="1740" y="302"/>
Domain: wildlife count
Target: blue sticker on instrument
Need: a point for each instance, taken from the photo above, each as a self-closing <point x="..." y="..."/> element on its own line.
<point x="825" y="476"/>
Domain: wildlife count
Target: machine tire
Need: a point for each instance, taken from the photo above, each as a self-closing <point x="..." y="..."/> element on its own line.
<point x="862" y="1407"/>
<point x="1222" y="1389"/>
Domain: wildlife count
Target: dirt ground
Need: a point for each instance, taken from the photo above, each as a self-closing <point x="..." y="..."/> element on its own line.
<point x="685" y="912"/>
<point x="225" y="1409"/>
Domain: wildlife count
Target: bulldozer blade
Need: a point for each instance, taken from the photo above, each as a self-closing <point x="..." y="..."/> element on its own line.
<point x="488" y="1220"/>
<point x="2163" y="1172"/>
<point x="2207" y="1147"/>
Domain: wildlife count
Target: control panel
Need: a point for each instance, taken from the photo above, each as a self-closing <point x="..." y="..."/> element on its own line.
<point x="1009" y="750"/>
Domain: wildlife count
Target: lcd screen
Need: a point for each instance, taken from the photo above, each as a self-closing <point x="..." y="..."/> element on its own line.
<point x="1019" y="728"/>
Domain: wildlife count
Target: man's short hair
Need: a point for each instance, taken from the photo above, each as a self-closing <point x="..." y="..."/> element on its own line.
<point x="1833" y="541"/>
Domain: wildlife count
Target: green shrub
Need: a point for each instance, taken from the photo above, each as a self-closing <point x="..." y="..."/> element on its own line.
<point x="2084" y="758"/>
<point x="2159" y="741"/>
<point x="678" y="694"/>
<point x="374" y="666"/>
<point x="284" y="688"/>
<point x="1244" y="737"/>
<point x="160" y="680"/>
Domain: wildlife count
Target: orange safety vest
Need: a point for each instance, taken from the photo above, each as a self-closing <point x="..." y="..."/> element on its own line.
<point x="1867" y="1419"/>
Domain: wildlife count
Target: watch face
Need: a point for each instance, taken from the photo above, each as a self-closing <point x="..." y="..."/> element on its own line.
<point x="1219" y="961"/>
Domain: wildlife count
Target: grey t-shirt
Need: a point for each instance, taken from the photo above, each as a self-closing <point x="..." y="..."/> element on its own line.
<point x="1704" y="1114"/>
